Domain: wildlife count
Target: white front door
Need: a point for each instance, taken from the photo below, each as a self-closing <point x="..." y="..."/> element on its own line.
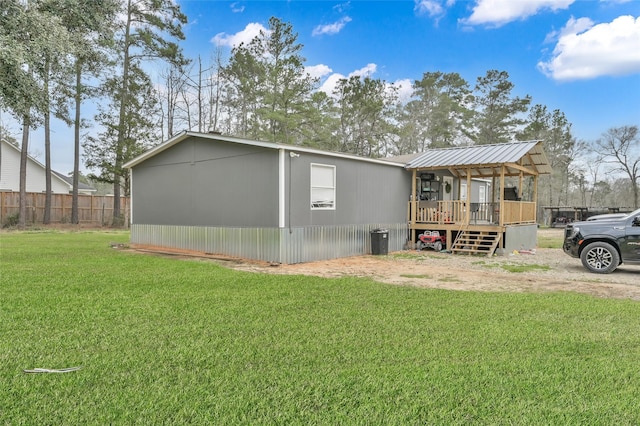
<point x="447" y="182"/>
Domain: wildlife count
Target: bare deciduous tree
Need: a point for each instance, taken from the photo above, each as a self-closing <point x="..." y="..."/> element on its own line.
<point x="620" y="147"/>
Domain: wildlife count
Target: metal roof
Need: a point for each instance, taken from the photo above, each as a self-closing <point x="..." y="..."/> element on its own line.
<point x="403" y="159"/>
<point x="69" y="180"/>
<point x="486" y="160"/>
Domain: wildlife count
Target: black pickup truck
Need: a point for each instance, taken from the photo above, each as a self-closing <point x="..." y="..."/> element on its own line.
<point x="604" y="244"/>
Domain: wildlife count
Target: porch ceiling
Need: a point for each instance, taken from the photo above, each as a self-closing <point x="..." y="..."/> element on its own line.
<point x="485" y="161"/>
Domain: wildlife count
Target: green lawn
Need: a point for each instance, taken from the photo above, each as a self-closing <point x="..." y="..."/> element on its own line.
<point x="551" y="240"/>
<point x="168" y="341"/>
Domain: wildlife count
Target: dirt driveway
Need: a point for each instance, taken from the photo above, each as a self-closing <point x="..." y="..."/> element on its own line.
<point x="544" y="270"/>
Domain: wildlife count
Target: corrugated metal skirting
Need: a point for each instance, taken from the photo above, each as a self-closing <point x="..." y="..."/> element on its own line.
<point x="282" y="245"/>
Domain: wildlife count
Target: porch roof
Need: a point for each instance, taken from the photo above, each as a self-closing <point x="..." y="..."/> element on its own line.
<point x="483" y="161"/>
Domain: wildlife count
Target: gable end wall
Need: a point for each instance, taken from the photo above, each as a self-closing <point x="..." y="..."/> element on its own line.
<point x="203" y="183"/>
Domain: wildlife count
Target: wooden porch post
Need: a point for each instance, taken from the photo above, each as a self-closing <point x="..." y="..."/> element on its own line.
<point x="493" y="197"/>
<point x="414" y="207"/>
<point x="521" y="206"/>
<point x="467" y="216"/>
<point x="521" y="182"/>
<point x="501" y="223"/>
<point x="535" y="197"/>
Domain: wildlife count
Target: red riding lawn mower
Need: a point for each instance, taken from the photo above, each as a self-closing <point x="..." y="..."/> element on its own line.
<point x="431" y="239"/>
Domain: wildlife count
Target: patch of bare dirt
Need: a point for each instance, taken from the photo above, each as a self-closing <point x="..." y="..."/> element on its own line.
<point x="471" y="273"/>
<point x="545" y="270"/>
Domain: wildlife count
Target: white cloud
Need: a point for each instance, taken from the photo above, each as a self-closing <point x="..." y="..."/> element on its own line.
<point x="587" y="51"/>
<point x="428" y="7"/>
<point x="334" y="28"/>
<point x="245" y="36"/>
<point x="330" y="83"/>
<point x="435" y="9"/>
<point x="342" y="7"/>
<point x="366" y="71"/>
<point x="318" y="71"/>
<point x="236" y="7"/>
<point x="501" y="12"/>
<point x="573" y="26"/>
<point x="405" y="89"/>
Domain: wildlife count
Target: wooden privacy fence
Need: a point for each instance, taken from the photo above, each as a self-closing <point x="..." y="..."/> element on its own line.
<point x="94" y="210"/>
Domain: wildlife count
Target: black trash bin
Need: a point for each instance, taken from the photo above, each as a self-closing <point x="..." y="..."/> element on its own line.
<point x="379" y="241"/>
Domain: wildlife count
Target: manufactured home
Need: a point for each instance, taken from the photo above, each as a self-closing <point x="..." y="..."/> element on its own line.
<point x="264" y="201"/>
<point x="281" y="203"/>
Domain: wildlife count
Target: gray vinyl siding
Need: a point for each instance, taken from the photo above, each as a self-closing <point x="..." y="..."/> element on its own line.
<point x="365" y="193"/>
<point x="200" y="183"/>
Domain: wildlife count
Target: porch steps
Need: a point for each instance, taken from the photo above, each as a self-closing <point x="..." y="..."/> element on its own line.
<point x="476" y="242"/>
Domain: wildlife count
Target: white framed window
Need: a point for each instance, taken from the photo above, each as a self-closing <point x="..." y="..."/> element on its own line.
<point x="323" y="187"/>
<point x="463" y="191"/>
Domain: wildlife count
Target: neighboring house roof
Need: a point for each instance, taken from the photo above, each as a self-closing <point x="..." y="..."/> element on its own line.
<point x="82" y="187"/>
<point x="486" y="160"/>
<point x="10" y="173"/>
<point x="276" y="146"/>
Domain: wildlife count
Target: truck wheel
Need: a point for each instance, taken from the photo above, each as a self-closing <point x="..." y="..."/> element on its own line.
<point x="437" y="246"/>
<point x="419" y="245"/>
<point x="600" y="257"/>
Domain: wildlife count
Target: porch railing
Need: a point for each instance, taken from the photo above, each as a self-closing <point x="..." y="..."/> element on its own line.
<point x="455" y="212"/>
<point x="519" y="212"/>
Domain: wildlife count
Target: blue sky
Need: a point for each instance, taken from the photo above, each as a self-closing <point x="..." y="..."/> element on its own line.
<point x="582" y="57"/>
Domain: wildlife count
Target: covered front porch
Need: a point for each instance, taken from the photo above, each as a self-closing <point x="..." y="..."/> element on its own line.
<point x="485" y="193"/>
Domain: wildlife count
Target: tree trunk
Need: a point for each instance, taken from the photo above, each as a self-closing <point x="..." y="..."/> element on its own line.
<point x="76" y="149"/>
<point x="200" y="106"/>
<point x="170" y="103"/>
<point x="124" y="94"/>
<point x="22" y="209"/>
<point x="46" y="219"/>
